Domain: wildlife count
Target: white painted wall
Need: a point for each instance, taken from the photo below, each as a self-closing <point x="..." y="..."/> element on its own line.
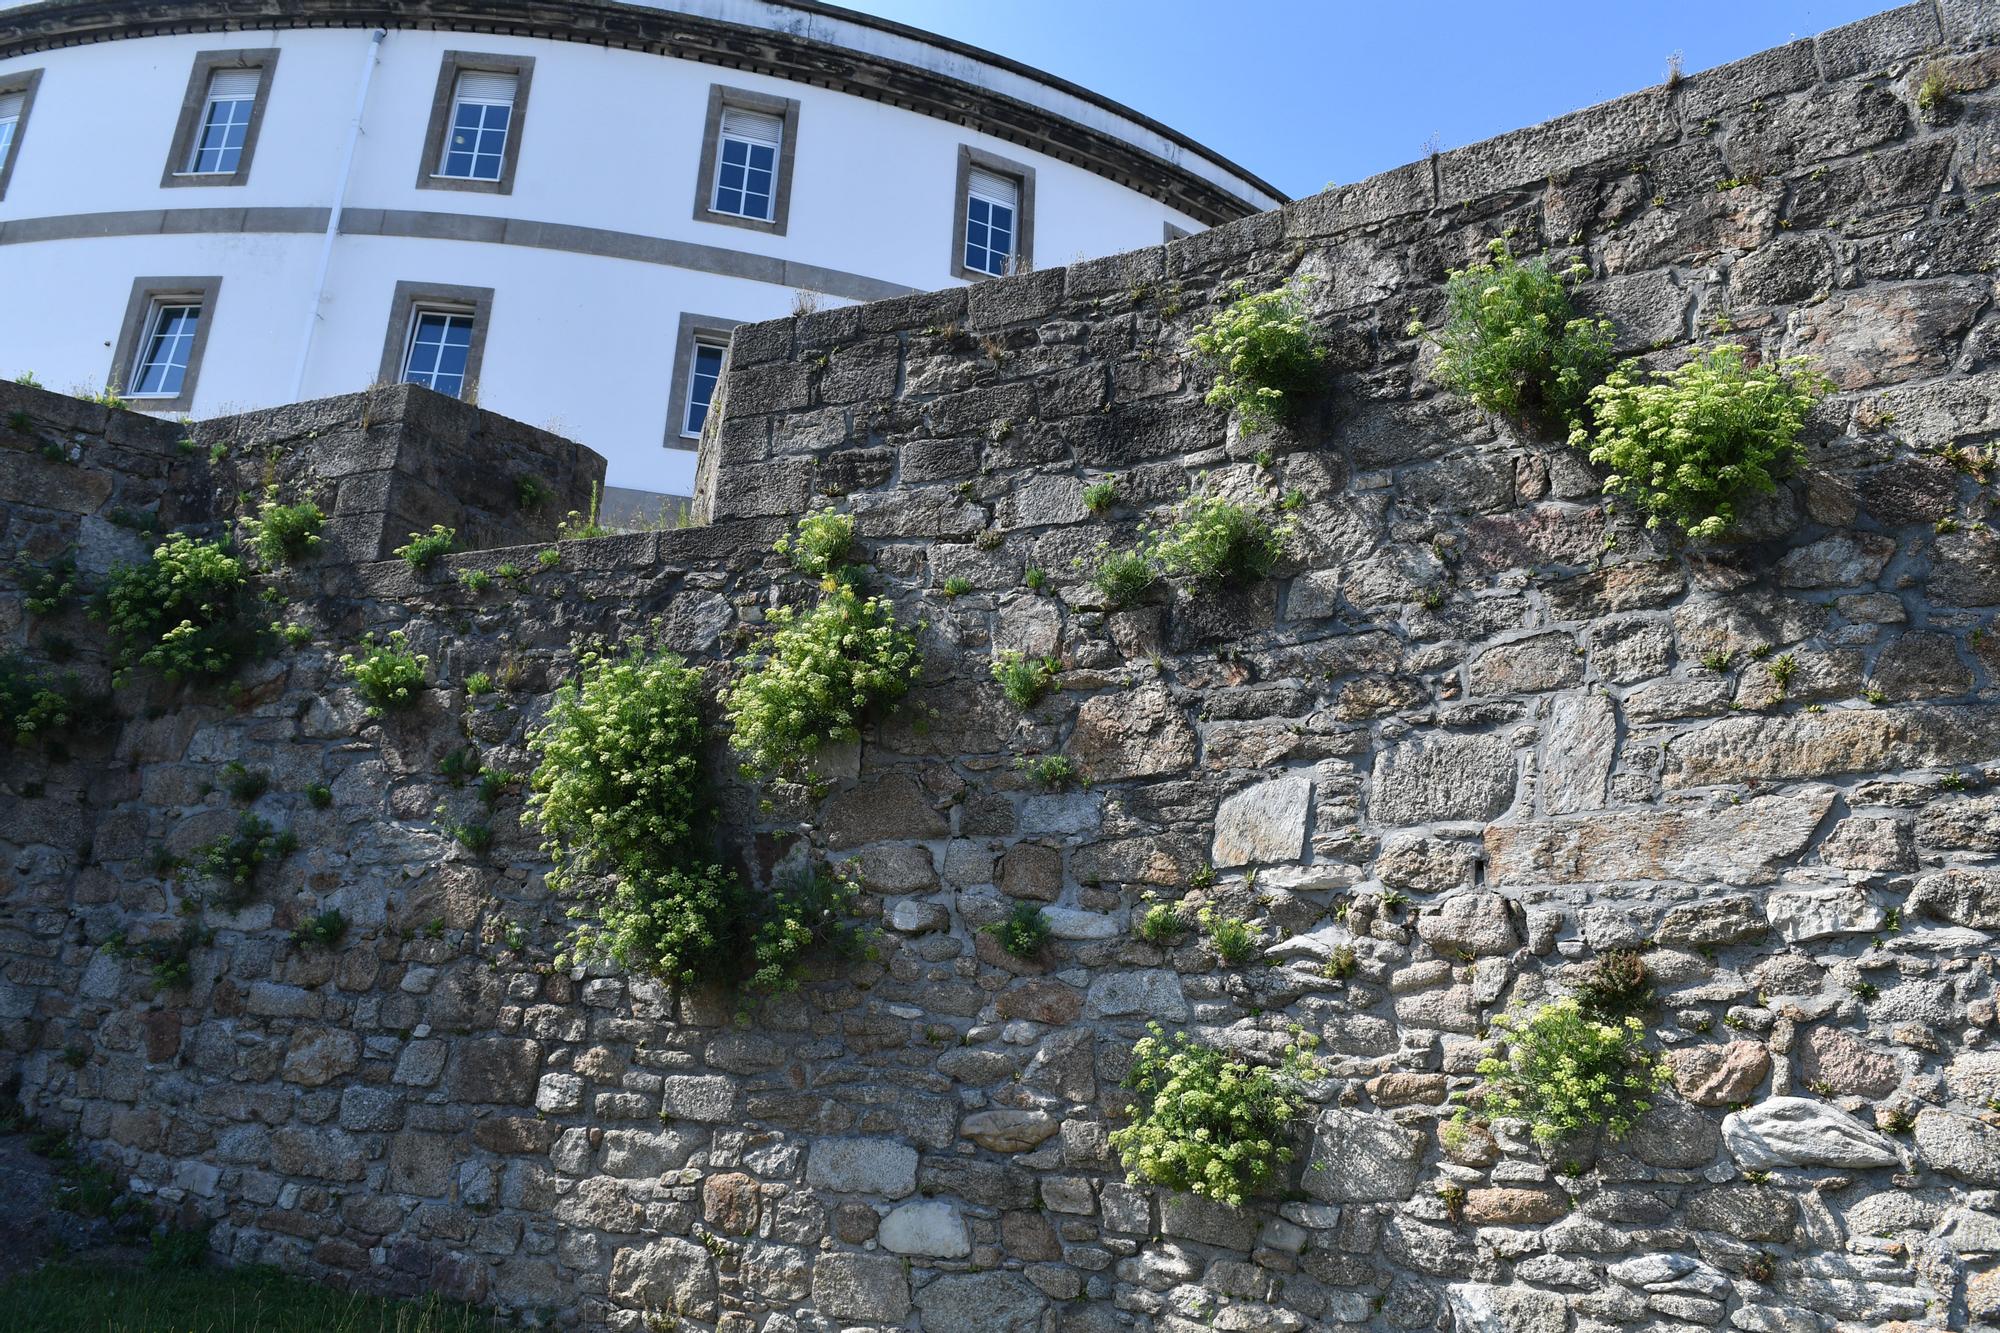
<point x="610" y="139"/>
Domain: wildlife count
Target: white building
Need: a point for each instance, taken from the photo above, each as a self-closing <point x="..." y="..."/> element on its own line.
<point x="211" y="205"/>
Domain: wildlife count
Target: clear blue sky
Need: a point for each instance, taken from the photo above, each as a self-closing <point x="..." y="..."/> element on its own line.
<point x="1303" y="92"/>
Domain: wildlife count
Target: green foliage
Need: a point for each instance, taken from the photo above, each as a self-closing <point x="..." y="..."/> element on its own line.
<point x="1219" y="541"/>
<point x="1122" y="577"/>
<point x="1512" y="341"/>
<point x="580" y="526"/>
<point x="1100" y="495"/>
<point x="179" y="1248"/>
<point x="1053" y="771"/>
<point x="1037" y="580"/>
<point x="819" y="677"/>
<point x="474" y="581"/>
<point x="682" y="924"/>
<point x="1263" y="353"/>
<point x="1023" y="931"/>
<point x="106" y="1296"/>
<point x="33" y="703"/>
<point x="1340" y="963"/>
<point x="236" y="860"/>
<point x="1616" y="986"/>
<point x="459" y="765"/>
<point x="1565" y="1070"/>
<point x="283" y="534"/>
<point x="1686" y="445"/>
<point x="1233" y="939"/>
<point x="387" y="674"/>
<point x="244" y="784"/>
<point x="530" y="492"/>
<point x="957" y="586"/>
<point x="169" y="959"/>
<point x="475" y="838"/>
<point x="183" y="613"/>
<point x="1024" y="680"/>
<point x="810" y="912"/>
<point x="319" y="796"/>
<point x="1163" y="923"/>
<point x="619" y="787"/>
<point x="1207" y="1123"/>
<point x="622" y="801"/>
<point x="424" y="548"/>
<point x="324" y="930"/>
<point x="294" y="634"/>
<point x="549" y="559"/>
<point x="820" y="544"/>
<point x="478" y="683"/>
<point x="46" y="588"/>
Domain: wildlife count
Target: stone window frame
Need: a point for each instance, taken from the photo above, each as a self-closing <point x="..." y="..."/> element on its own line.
<point x="409" y="298"/>
<point x="693" y="329"/>
<point x="24" y="82"/>
<point x="146" y="294"/>
<point x="1024" y="228"/>
<point x="263" y="59"/>
<point x="721" y="98"/>
<point x="450" y="67"/>
<point x="1173" y="231"/>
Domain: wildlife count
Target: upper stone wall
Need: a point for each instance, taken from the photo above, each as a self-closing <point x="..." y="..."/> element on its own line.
<point x="1479" y="730"/>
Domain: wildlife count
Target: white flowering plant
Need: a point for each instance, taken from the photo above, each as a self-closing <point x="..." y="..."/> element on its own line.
<point x="1513" y="343"/>
<point x="1565" y="1070"/>
<point x="1263" y="351"/>
<point x="818" y="678"/>
<point x="1208" y="1123"/>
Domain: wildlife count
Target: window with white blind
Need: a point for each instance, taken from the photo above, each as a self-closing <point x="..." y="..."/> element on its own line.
<point x="225" y="121"/>
<point x="992" y="213"/>
<point x="747" y="146"/>
<point x="216" y="136"/>
<point x="482" y="112"/>
<point x="474" y="138"/>
<point x="746" y="163"/>
<point x="993" y="233"/>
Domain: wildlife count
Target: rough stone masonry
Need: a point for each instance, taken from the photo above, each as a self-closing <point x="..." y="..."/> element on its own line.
<point x="1503" y="728"/>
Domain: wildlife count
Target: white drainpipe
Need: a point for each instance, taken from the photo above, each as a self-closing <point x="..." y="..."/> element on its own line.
<point x="333" y="214"/>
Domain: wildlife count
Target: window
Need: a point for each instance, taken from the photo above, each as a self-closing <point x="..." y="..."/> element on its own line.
<point x="477" y="117"/>
<point x="745" y="177"/>
<point x="159" y="349"/>
<point x="160" y="369"/>
<point x="703" y="373"/>
<point x="440" y="344"/>
<point x="225" y="121"/>
<point x="226" y="95"/>
<point x="437" y="337"/>
<point x="995" y="216"/>
<point x="746" y="166"/>
<point x="17" y="99"/>
<point x="699" y="352"/>
<point x="481" y="108"/>
<point x="992" y="211"/>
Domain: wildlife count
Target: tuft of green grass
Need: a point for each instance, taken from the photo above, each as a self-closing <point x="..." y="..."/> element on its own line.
<point x="69" y="1296"/>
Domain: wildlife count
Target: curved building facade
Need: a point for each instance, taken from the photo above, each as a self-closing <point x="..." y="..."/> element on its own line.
<point x="559" y="210"/>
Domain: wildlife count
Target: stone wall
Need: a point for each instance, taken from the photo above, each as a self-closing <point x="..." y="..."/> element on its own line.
<point x="1480" y="730"/>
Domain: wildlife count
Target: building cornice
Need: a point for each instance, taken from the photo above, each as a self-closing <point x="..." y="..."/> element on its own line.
<point x="794" y="56"/>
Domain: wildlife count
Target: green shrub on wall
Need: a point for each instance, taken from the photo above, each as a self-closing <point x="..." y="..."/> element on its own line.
<point x="282" y="534"/>
<point x="1512" y="341"/>
<point x="809" y="912"/>
<point x="1263" y="352"/>
<point x="820" y="675"/>
<point x="820" y="543"/>
<point x="1215" y="540"/>
<point x="1565" y="1070"/>
<point x="183" y="613"/>
<point x="1687" y="444"/>
<point x="1208" y="1123"/>
<point x="387" y="674"/>
<point x="32" y="702"/>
